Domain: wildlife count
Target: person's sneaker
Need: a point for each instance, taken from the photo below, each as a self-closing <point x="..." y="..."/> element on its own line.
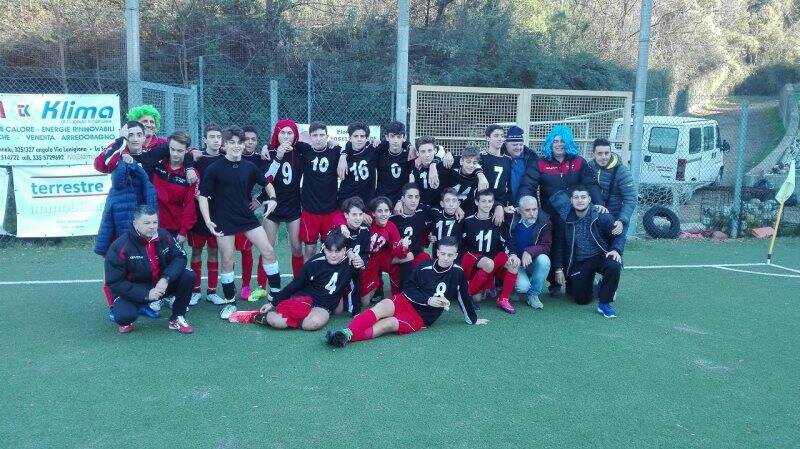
<point x="338" y="338"/>
<point x="606" y="309"/>
<point x="535" y="302"/>
<point x="156" y="305"/>
<point x="169" y="301"/>
<point x="555" y="290"/>
<point x="195" y="298"/>
<point x="505" y="305"/>
<point x="260" y="318"/>
<point x="245" y="293"/>
<point x="126" y="329"/>
<point x="227" y="311"/>
<point x="216" y="299"/>
<point x="145" y="310"/>
<point x="257" y="295"/>
<point x="179" y="324"/>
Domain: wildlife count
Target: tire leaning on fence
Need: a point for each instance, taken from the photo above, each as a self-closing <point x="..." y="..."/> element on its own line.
<point x="657" y="231"/>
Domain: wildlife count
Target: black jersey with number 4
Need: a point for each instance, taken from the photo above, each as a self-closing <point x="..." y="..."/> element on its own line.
<point x="443" y="225"/>
<point x="482" y="236"/>
<point x="414" y="226"/>
<point x="230" y="184"/>
<point x="429" y="279"/>
<point x="393" y="171"/>
<point x="318" y="194"/>
<point x="321" y="280"/>
<point x="360" y="179"/>
<point x="498" y="172"/>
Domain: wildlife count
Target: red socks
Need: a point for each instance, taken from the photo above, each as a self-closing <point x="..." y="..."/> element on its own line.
<point x="297" y="265"/>
<point x="196" y="267"/>
<point x="478" y="282"/>
<point x="107" y="292"/>
<point x="361" y="326"/>
<point x="213" y="275"/>
<point x="509" y="280"/>
<point x="247" y="267"/>
<point x="261" y="276"/>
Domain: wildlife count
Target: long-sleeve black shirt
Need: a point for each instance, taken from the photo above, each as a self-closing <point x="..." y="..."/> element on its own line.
<point x="430" y="279"/>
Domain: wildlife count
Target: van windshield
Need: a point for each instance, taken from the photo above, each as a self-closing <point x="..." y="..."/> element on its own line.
<point x="663" y="140"/>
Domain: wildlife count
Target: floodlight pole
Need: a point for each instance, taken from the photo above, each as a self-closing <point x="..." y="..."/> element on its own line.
<point x="132" y="53"/>
<point x="639" y="102"/>
<point x="401" y="88"/>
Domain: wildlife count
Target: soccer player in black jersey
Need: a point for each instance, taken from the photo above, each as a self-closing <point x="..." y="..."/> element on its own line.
<point x="443" y="220"/>
<point x="428" y="172"/>
<point x="244" y="246"/>
<point x="395" y="161"/>
<point x="485" y="256"/>
<point x="358" y="242"/>
<point x="467" y="177"/>
<point x="361" y="160"/>
<point x="308" y="301"/>
<point x="412" y="223"/>
<point x="434" y="286"/>
<point x="497" y="168"/>
<point x="229" y="183"/>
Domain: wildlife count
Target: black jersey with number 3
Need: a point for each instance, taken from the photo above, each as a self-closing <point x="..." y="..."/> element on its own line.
<point x="318" y="195"/>
<point x="429" y="279"/>
<point x="414" y="226"/>
<point x="482" y="236"/>
<point x="321" y="280"/>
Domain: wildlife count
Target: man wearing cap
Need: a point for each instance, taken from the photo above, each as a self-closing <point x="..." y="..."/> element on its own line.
<point x="520" y="156"/>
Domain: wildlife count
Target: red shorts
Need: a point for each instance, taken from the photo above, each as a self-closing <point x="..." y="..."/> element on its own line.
<point x="199" y="241"/>
<point x="376" y="265"/>
<point x="406" y="315"/>
<point x="470" y="263"/>
<point x="295" y="310"/>
<point x="242" y="243"/>
<point x="315" y="227"/>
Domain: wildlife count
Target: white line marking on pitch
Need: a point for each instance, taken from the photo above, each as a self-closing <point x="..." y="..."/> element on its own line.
<point x="83" y="281"/>
<point x="759" y="273"/>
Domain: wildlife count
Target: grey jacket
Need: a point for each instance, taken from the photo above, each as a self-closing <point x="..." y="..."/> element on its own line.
<point x="619" y="193"/>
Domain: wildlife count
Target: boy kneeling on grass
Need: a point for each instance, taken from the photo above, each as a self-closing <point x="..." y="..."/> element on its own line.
<point x="433" y="286"/>
<point x="308" y="301"/>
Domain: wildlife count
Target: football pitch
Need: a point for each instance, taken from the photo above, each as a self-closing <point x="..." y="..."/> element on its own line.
<point x="700" y="356"/>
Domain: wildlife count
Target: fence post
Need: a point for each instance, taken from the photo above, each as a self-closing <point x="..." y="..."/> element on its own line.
<point x="736" y="210"/>
<point x="273" y="103"/>
<point x="168" y="117"/>
<point x="308" y="94"/>
<point x="192" y="121"/>
<point x="201" y="94"/>
<point x="133" y="61"/>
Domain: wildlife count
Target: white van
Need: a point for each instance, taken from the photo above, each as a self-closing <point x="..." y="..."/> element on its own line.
<point x="680" y="153"/>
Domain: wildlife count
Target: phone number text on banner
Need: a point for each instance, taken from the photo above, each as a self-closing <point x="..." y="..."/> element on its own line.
<point x="59" y="201"/>
<point x="53" y="129"/>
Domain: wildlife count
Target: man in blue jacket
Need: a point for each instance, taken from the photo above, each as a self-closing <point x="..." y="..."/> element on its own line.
<point x="587" y="247"/>
<point x="616" y="184"/>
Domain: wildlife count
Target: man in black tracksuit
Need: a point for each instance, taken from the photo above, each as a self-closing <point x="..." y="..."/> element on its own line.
<point x="143" y="266"/>
<point x="587" y="247"/>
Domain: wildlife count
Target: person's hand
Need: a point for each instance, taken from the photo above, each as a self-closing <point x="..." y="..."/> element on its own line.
<point x="265" y="153"/>
<point x="398" y="208"/>
<point x="191" y="175"/>
<point x="123" y="132"/>
<point x="499" y="215"/>
<point x="341" y="169"/>
<point x="618" y="226"/>
<point x="282" y="149"/>
<point x="154" y="294"/>
<point x="483" y="183"/>
<point x="481" y="321"/>
<point x="355" y="259"/>
<point x="127" y="158"/>
<point x="331" y="144"/>
<point x="559" y="277"/>
<point x="513" y="262"/>
<point x="405" y="242"/>
<point x="460" y="214"/>
<point x="601" y="209"/>
<point x="213" y="228"/>
<point x="196" y="154"/>
<point x="254" y="204"/>
<point x="367" y="219"/>
<point x="448" y="160"/>
<point x="526" y="259"/>
<point x="180" y="238"/>
<point x="438" y="301"/>
<point x="509" y="209"/>
<point x="345" y="231"/>
<point x="269" y="206"/>
<point x="614" y="255"/>
<point x="374" y="141"/>
<point x="433" y="176"/>
<point x="266" y="307"/>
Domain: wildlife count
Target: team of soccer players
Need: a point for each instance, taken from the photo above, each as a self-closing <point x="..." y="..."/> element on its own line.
<point x="377" y="207"/>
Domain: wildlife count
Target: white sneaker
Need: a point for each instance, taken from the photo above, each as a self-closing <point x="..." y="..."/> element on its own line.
<point x="195" y="299"/>
<point x="535" y="302"/>
<point x="156" y="305"/>
<point x="218" y="300"/>
<point x="169" y="301"/>
<point x="227" y="311"/>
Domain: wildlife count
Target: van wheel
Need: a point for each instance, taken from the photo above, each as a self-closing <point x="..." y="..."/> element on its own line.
<point x="656" y="230"/>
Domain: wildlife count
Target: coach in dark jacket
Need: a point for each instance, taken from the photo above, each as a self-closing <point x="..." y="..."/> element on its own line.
<point x="144" y="265"/>
<point x="616" y="184"/>
<point x="588" y="247"/>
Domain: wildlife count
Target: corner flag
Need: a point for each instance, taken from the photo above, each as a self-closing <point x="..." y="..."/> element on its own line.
<point x="783" y="194"/>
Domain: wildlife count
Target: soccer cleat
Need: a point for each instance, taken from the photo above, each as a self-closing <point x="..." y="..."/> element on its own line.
<point x="227" y="311"/>
<point x="257" y="295"/>
<point x="126" y="329"/>
<point x="244" y="317"/>
<point x="194" y="299"/>
<point x="145" y="310"/>
<point x="156" y="305"/>
<point x="214" y="298"/>
<point x="245" y="293"/>
<point x="606" y="310"/>
<point x="179" y="324"/>
<point x="505" y="305"/>
<point x="338" y="338"/>
<point x="535" y="302"/>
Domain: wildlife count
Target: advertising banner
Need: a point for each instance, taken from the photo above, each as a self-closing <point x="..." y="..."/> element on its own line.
<point x="59" y="201"/>
<point x="53" y="129"/>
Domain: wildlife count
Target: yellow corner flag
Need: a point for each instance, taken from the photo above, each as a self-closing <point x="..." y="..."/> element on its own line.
<point x="786" y="191"/>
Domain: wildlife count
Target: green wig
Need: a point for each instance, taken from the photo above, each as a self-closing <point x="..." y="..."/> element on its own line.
<point x="143" y="110"/>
